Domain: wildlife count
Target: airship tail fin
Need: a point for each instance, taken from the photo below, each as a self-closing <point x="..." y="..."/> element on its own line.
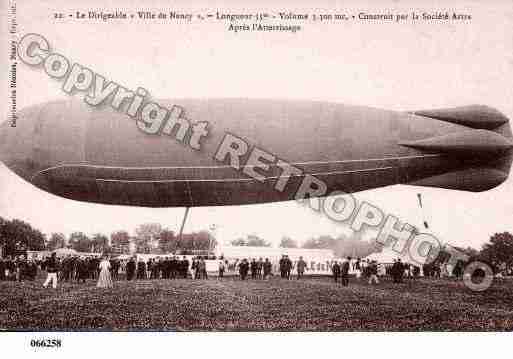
<point x="473" y="116"/>
<point x="487" y="156"/>
<point x="465" y="143"/>
<point x="475" y="179"/>
<point x="484" y="150"/>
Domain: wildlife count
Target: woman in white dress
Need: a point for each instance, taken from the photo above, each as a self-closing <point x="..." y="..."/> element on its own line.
<point x="104" y="280"/>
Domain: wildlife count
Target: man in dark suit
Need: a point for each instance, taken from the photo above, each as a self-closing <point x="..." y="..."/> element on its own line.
<point x="185" y="267"/>
<point x="130" y="269"/>
<point x="222" y="267"/>
<point x="283" y="265"/>
<point x="397" y="271"/>
<point x="400" y="270"/>
<point x="141" y="269"/>
<point x="202" y="267"/>
<point x="173" y="268"/>
<point x="154" y="272"/>
<point x="335" y="269"/>
<point x="260" y="267"/>
<point x="301" y="266"/>
<point x="268" y="268"/>
<point x="93" y="267"/>
<point x="114" y="268"/>
<point x="344" y="271"/>
<point x="243" y="269"/>
<point x="21" y="267"/>
<point x="288" y="267"/>
<point x="31" y="270"/>
<point x="373" y="273"/>
<point x="83" y="270"/>
<point x="254" y="269"/>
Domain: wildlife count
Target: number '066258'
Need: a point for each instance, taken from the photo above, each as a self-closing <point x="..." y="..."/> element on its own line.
<point x="45" y="343"/>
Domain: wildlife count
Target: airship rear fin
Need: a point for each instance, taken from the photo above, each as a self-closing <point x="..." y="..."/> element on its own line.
<point x="469" y="142"/>
<point x="470" y="179"/>
<point x="473" y="116"/>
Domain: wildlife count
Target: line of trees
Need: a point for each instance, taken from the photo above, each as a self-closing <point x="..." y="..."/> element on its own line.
<point x="149" y="238"/>
<point x="16" y="237"/>
<point x="251" y="240"/>
<point x="342" y="245"/>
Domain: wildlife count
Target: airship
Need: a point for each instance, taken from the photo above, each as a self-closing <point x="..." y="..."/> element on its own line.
<point x="98" y="155"/>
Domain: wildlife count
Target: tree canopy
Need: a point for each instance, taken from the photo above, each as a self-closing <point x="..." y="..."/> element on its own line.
<point x="499" y="250"/>
<point x="287" y="242"/>
<point x="17" y="236"/>
<point x="80" y="242"/>
<point x="343" y="245"/>
<point x="251" y="240"/>
<point x="120" y="242"/>
<point x="56" y="241"/>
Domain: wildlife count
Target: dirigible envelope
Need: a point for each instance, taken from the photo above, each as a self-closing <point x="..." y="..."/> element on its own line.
<point x="99" y="155"/>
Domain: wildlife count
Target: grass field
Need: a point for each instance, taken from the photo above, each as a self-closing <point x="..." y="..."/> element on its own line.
<point x="312" y="304"/>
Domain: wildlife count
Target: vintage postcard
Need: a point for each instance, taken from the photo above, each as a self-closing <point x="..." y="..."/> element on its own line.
<point x="243" y="166"/>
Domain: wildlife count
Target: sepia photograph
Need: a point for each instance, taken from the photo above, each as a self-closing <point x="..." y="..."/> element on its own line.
<point x="255" y="167"/>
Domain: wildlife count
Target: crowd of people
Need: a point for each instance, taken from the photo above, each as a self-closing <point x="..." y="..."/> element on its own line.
<point x="263" y="269"/>
<point x="169" y="267"/>
<point x="18" y="268"/>
<point x="371" y="270"/>
<point x="105" y="270"/>
<point x="79" y="269"/>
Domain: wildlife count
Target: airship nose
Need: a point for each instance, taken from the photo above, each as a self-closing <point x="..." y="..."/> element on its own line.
<point x="45" y="136"/>
<point x="3" y="142"/>
<point x="16" y="148"/>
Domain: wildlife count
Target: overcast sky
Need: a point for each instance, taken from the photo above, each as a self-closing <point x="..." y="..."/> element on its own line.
<point x="392" y="66"/>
